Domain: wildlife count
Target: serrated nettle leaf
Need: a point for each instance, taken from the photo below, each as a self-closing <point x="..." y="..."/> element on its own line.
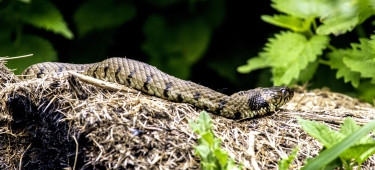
<point x="41" y="49"/>
<point x="336" y="62"/>
<point x="95" y="15"/>
<point x="255" y="63"/>
<point x="358" y="152"/>
<point x="361" y="58"/>
<point x="308" y="73"/>
<point x="367" y="91"/>
<point x="344" y="16"/>
<point x="44" y="14"/>
<point x="289" y="53"/>
<point x="321" y="132"/>
<point x="290" y="22"/>
<point x="289" y="48"/>
<point x="303" y="8"/>
<point x="349" y="126"/>
<point x="341" y="146"/>
<point x="180" y="42"/>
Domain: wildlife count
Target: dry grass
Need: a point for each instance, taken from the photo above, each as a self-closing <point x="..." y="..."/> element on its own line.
<point x="116" y="129"/>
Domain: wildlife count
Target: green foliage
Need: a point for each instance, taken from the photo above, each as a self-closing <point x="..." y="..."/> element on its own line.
<point x="300" y="51"/>
<point x="182" y="43"/>
<point x="294" y="55"/>
<point x="285" y="162"/>
<point x="97" y="14"/>
<point x="41" y="14"/>
<point x="212" y="157"/>
<point x="350" y="144"/>
<point x="169" y="42"/>
<point x="29" y="44"/>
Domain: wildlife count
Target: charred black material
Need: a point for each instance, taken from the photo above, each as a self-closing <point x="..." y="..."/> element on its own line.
<point x="52" y="146"/>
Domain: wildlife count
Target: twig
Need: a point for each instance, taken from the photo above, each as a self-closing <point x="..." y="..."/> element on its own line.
<point x="103" y="84"/>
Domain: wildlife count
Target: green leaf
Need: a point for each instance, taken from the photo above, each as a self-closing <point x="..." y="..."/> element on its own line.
<point x="170" y="44"/>
<point x="221" y="156"/>
<point x="348" y="127"/>
<point x="321" y="132"/>
<point x="303" y="8"/>
<point x="362" y="58"/>
<point x="203" y="150"/>
<point x="309" y="72"/>
<point x="367" y="92"/>
<point x="336" y="62"/>
<point x="332" y="153"/>
<point x="255" y="63"/>
<point x="209" y="149"/>
<point x="285" y="162"/>
<point x="98" y="15"/>
<point x="29" y="44"/>
<point x="344" y="16"/>
<point x="288" y="54"/>
<point x="286" y="21"/>
<point x="360" y="151"/>
<point x="44" y="14"/>
<point x="203" y="123"/>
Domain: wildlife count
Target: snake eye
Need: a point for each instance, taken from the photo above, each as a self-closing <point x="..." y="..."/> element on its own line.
<point x="284" y="92"/>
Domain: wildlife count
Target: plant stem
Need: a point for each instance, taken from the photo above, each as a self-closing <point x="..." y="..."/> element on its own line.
<point x="325" y="62"/>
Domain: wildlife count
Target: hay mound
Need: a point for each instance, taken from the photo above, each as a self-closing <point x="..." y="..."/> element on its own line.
<point x="49" y="123"/>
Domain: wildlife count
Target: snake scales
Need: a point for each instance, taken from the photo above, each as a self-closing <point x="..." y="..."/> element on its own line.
<point x="148" y="79"/>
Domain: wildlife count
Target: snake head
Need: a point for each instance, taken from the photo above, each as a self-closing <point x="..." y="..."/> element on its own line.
<point x="277" y="96"/>
<point x="260" y="101"/>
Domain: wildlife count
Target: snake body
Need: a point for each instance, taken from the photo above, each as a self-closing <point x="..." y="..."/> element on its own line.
<point x="150" y="80"/>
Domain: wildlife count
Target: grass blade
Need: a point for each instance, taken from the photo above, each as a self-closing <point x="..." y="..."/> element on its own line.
<point x="330" y="154"/>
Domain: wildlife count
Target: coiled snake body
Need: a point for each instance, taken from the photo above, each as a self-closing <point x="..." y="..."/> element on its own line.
<point x="148" y="79"/>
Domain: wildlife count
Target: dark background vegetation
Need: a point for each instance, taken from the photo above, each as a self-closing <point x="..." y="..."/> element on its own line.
<point x="200" y="40"/>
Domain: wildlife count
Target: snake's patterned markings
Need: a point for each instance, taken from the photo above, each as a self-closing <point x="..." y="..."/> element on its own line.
<point x="116" y="74"/>
<point x="147" y="82"/>
<point x="94" y="73"/>
<point x="130" y="76"/>
<point x="26" y="73"/>
<point x="61" y="68"/>
<point x="179" y="97"/>
<point x="105" y="71"/>
<point x="197" y="95"/>
<point x="38" y="75"/>
<point x="150" y="80"/>
<point x="167" y="89"/>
